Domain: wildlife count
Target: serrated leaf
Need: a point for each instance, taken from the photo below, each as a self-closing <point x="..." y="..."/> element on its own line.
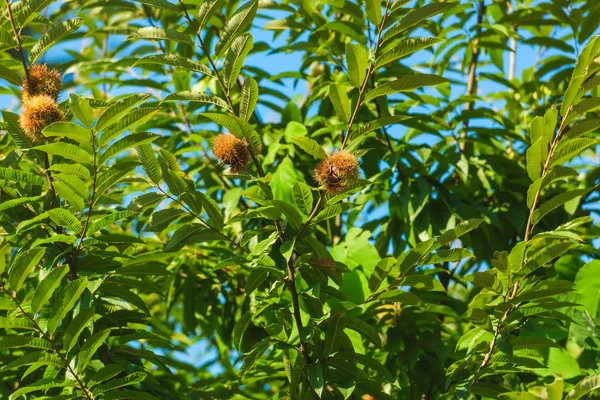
<point x="152" y="33"/>
<point x="303" y="197"/>
<point x="332" y="211"/>
<point x="36" y="357"/>
<point x="175" y="60"/>
<point x="422" y="282"/>
<point x="197" y="97"/>
<point x="128" y="122"/>
<point x="16" y="323"/>
<point x="62" y="217"/>
<point x="77" y="325"/>
<point x="585" y="386"/>
<point x="10" y="76"/>
<point x="416" y="16"/>
<point x="23" y="265"/>
<point x="235" y="26"/>
<point x="13" y="342"/>
<point x="125" y="143"/>
<point x="310" y="146"/>
<point x="17" y="202"/>
<point x="376" y="124"/>
<point x="404" y="84"/>
<point x="256" y="352"/>
<point x="68" y="130"/>
<point x="163" y="4"/>
<point x="207" y="10"/>
<point x="65" y="302"/>
<point x="119" y="109"/>
<point x="568" y="149"/>
<point x="66" y="150"/>
<point x="365" y="329"/>
<point x="42" y="385"/>
<point x="358" y="62"/>
<point x="149" y="163"/>
<point x="235" y="59"/>
<point x="80" y="106"/>
<point x="242" y="324"/>
<point x="405" y="48"/>
<point x="249" y="98"/>
<point x="89" y="348"/>
<point x="373" y="8"/>
<point x="558" y="201"/>
<point x="109" y="219"/>
<point x="163" y="218"/>
<point x="213" y="211"/>
<point x="47" y="286"/>
<point x="341" y="102"/>
<point x="55" y="34"/>
<point x="21" y="176"/>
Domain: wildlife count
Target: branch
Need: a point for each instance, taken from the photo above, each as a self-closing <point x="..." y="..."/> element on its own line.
<point x="472" y="80"/>
<point x="528" y="231"/>
<point x="18" y="40"/>
<point x="81" y="385"/>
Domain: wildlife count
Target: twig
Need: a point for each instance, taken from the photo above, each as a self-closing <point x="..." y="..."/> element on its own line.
<point x="18" y="40"/>
<point x="528" y="231"/>
<point x="82" y="386"/>
<point x="370" y="71"/>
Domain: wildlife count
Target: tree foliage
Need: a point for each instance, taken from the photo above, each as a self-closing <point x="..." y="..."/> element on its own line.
<point x="460" y="260"/>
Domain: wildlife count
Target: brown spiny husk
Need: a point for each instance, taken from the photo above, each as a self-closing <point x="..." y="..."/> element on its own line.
<point x="43" y="80"/>
<point x="337" y="171"/>
<point x="37" y="113"/>
<point x="231" y="151"/>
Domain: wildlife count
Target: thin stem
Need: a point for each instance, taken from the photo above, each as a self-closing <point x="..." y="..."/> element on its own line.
<point x="18" y="40"/>
<point x="80" y="383"/>
<point x="310" y="217"/>
<point x="472" y="79"/>
<point x="370" y="71"/>
<point x="528" y="231"/>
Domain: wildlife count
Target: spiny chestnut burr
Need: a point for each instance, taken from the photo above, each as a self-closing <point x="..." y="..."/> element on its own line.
<point x="231" y="151"/>
<point x="337" y="171"/>
<point x="43" y="80"/>
<point x="37" y="113"/>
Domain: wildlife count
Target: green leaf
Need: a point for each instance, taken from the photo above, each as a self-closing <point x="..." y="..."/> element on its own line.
<point x="109" y="219"/>
<point x="365" y="329"/>
<point x="131" y="379"/>
<point x="310" y="146"/>
<point x="65" y="302"/>
<point x="249" y="98"/>
<point x="333" y="334"/>
<point x="24" y="263"/>
<point x="332" y="211"/>
<point x="303" y="197"/>
<point x="125" y="143"/>
<point x="62" y="217"/>
<point x="256" y="352"/>
<point x="316" y="379"/>
<point x="163" y="4"/>
<point x="23" y="200"/>
<point x="77" y="325"/>
<point x="129" y="121"/>
<point x="207" y="10"/>
<point x="163" y="218"/>
<point x="447" y="255"/>
<point x="197" y="97"/>
<point x="585" y="386"/>
<point x="422" y="282"/>
<point x="149" y="163"/>
<point x="244" y="322"/>
<point x="235" y="59"/>
<point x="47" y="286"/>
<point x="558" y="201"/>
<point x="10" y="76"/>
<point x="15" y="175"/>
<point x="373" y="8"/>
<point x="568" y="149"/>
<point x="66" y="150"/>
<point x="358" y="60"/>
<point x="13" y="342"/>
<point x="341" y="102"/>
<point x="68" y="130"/>
<point x="89" y="348"/>
<point x="556" y="173"/>
<point x="212" y="209"/>
<point x="152" y="33"/>
<point x="36" y="357"/>
<point x="587" y="282"/>
<point x="458" y="231"/>
<point x="364" y="360"/>
<point x="16" y="323"/>
<point x="235" y="26"/>
<point x="80" y="106"/>
<point x="376" y="124"/>
<point x="405" y="48"/>
<point x="404" y="84"/>
<point x="55" y="34"/>
<point x="42" y="384"/>
<point x="416" y="16"/>
<point x="174" y="60"/>
<point x="120" y="109"/>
